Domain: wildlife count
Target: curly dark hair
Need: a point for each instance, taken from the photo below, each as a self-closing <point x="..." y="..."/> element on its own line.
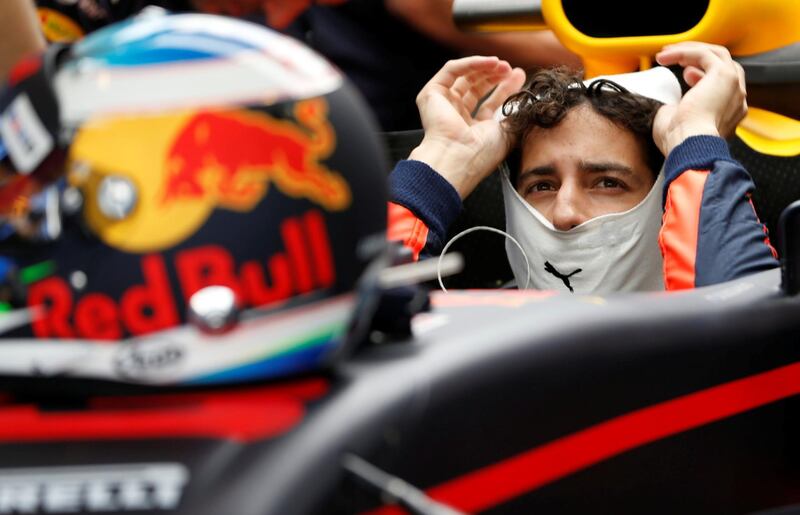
<point x="551" y="93"/>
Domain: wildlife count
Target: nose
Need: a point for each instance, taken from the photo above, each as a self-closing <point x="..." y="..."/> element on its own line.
<point x="568" y="208"/>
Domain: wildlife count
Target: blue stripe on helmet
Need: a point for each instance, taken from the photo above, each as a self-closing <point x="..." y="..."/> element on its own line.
<point x="157" y="43"/>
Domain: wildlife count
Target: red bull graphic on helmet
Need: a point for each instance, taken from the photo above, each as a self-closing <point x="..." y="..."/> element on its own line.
<point x="305" y="264"/>
<point x="236" y="156"/>
<point x="184" y="165"/>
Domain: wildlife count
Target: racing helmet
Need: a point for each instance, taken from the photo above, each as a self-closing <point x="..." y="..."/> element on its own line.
<point x="222" y="188"/>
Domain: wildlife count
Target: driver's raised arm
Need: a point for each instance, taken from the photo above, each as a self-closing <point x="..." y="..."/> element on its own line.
<point x="710" y="233"/>
<point x="460" y="148"/>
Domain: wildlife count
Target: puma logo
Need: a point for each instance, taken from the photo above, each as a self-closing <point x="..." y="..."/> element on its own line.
<point x="565" y="278"/>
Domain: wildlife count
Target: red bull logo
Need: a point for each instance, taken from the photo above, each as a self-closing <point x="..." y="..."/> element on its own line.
<point x="187" y="164"/>
<point x="234" y="157"/>
<point x="305" y="264"/>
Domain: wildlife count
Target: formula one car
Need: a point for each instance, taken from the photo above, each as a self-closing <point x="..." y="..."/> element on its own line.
<point x="347" y="388"/>
<point x="666" y="403"/>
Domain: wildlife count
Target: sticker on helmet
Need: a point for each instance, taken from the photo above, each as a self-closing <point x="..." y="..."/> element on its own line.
<point x="24" y="135"/>
<point x="201" y="161"/>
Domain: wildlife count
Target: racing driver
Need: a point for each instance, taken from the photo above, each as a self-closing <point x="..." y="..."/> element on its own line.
<point x="588" y="208"/>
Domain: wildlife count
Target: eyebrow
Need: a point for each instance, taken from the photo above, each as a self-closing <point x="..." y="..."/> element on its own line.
<point x="605" y="166"/>
<point x="586" y="166"/>
<point x="539" y="170"/>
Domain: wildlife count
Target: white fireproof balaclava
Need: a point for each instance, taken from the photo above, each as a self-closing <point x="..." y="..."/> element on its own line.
<point x="613" y="252"/>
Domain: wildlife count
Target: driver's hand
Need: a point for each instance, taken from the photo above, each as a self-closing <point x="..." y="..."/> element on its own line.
<point x="716" y="102"/>
<point x="461" y="147"/>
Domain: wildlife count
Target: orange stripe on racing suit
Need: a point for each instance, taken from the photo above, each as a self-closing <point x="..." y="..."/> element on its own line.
<point x="406" y="228"/>
<point x="679" y="229"/>
<point x="423" y="205"/>
<point x="711" y="233"/>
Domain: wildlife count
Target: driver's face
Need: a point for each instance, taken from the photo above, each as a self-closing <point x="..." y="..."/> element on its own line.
<point x="582" y="168"/>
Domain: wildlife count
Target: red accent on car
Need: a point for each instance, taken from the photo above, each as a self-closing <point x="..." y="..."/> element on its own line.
<point x="241" y="415"/>
<point x="500" y="482"/>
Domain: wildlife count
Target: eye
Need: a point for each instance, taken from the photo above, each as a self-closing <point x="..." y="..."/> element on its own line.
<point x="610" y="183"/>
<point x="539" y="187"/>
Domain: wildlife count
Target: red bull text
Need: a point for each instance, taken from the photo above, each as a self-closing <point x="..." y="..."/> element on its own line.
<point x="305" y="264"/>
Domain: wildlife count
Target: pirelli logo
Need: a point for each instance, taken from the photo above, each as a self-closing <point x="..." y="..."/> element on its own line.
<point x="95" y="488"/>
